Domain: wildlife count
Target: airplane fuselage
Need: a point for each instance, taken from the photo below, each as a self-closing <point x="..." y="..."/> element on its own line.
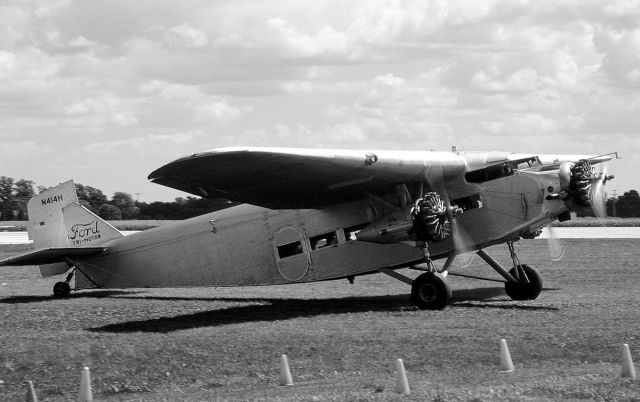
<point x="249" y="245"/>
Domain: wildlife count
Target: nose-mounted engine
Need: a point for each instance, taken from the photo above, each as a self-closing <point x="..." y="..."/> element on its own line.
<point x="581" y="187"/>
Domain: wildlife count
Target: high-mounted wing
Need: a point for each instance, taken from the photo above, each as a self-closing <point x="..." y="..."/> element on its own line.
<point x="284" y="178"/>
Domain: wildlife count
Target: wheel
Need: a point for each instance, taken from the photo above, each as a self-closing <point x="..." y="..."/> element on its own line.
<point x="524" y="290"/>
<point x="61" y="289"/>
<point x="430" y="291"/>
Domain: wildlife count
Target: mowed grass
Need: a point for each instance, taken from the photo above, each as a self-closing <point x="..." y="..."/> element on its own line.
<point x="341" y="340"/>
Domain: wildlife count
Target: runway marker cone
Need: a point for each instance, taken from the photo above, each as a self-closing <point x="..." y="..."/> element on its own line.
<point x="628" y="370"/>
<point x="85" y="394"/>
<point x="402" y="384"/>
<point x="285" y="373"/>
<point x="506" y="365"/>
<point x="31" y="392"/>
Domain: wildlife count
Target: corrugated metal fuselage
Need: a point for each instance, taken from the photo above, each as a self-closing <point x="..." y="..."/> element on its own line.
<point x="244" y="245"/>
<point x="248" y="245"/>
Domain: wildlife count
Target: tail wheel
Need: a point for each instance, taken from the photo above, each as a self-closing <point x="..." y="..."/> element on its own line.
<point x="61" y="289"/>
<point x="525" y="289"/>
<point x="430" y="291"/>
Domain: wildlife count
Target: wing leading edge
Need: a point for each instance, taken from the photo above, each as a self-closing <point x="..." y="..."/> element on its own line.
<point x="285" y="178"/>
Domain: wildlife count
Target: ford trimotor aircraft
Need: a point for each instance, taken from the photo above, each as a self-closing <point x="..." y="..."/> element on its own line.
<point x="317" y="214"/>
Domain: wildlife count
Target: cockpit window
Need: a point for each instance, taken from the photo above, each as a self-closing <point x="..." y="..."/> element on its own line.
<point x="502" y="170"/>
<point x="527" y="163"/>
<point x="489" y="173"/>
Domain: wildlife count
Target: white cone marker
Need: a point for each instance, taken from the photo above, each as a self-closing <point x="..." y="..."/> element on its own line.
<point x="31" y="392"/>
<point x="285" y="373"/>
<point x="506" y="365"/>
<point x="402" y="384"/>
<point x="628" y="370"/>
<point x="85" y="394"/>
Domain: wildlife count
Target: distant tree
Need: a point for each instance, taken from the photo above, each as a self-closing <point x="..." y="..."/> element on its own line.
<point x="6" y="198"/>
<point x="94" y="197"/>
<point x="182" y="208"/>
<point x="109" y="212"/>
<point x="628" y="205"/>
<point x="22" y="194"/>
<point x="24" y="189"/>
<point x="126" y="205"/>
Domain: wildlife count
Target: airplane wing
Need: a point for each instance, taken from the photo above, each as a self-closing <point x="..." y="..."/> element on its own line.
<point x="284" y="178"/>
<point x="51" y="255"/>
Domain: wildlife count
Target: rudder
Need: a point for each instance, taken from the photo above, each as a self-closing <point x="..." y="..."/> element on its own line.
<point x="46" y="220"/>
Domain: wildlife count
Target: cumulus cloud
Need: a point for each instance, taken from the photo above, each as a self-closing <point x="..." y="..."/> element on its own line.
<point x="117" y="76"/>
<point x="186" y="35"/>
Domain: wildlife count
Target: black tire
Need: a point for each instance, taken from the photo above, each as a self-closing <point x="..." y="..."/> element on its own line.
<point x="61" y="289"/>
<point x="525" y="290"/>
<point x="430" y="291"/>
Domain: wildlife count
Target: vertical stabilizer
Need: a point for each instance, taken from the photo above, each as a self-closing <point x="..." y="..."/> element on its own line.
<point x="56" y="219"/>
<point x="46" y="220"/>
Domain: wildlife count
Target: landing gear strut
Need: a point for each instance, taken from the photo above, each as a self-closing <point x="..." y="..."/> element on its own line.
<point x="430" y="290"/>
<point x="523" y="281"/>
<point x="63" y="289"/>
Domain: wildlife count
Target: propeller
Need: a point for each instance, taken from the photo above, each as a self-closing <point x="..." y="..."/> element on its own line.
<point x="597" y="194"/>
<point x="586" y="188"/>
<point x="582" y="188"/>
<point x="556" y="247"/>
<point x="448" y="213"/>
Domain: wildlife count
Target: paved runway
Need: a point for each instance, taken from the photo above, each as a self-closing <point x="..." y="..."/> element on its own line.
<point x="563" y="233"/>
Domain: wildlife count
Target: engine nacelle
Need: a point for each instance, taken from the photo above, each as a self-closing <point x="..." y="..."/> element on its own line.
<point x="391" y="228"/>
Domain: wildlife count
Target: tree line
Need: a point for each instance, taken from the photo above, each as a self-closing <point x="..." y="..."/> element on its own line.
<point x="14" y="195"/>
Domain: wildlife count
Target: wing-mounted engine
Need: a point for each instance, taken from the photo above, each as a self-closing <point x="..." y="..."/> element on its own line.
<point x="429" y="219"/>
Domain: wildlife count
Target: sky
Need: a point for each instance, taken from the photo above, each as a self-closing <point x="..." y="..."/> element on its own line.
<point x="104" y="92"/>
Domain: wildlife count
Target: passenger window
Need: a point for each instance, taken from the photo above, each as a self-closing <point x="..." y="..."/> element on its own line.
<point x="351" y="232"/>
<point x="290" y="249"/>
<point x="471" y="202"/>
<point x="323" y="240"/>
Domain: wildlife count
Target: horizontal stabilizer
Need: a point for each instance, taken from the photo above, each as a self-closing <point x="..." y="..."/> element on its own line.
<point x="51" y="255"/>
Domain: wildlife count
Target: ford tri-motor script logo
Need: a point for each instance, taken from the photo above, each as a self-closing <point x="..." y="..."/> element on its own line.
<point x="84" y="233"/>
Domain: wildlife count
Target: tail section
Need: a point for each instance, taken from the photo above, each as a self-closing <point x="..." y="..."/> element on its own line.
<point x="46" y="221"/>
<point x="57" y="220"/>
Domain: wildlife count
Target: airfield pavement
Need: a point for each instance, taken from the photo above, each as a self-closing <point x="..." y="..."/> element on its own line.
<point x="341" y="340"/>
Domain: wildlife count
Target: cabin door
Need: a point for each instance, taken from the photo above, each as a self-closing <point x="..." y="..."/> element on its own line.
<point x="291" y="253"/>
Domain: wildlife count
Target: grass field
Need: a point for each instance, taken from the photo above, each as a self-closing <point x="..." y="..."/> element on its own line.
<point x="341" y="340"/>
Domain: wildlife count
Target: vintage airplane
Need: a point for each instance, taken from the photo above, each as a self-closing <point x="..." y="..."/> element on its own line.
<point x="315" y="214"/>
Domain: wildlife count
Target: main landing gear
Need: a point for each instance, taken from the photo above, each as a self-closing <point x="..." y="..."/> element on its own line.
<point x="431" y="290"/>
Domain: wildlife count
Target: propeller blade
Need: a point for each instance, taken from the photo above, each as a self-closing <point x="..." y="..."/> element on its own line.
<point x="462" y="242"/>
<point x="556" y="247"/>
<point x="598" y="200"/>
